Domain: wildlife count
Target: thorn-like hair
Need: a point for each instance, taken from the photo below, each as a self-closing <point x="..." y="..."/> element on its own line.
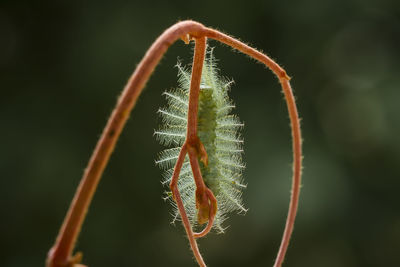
<point x="218" y="130"/>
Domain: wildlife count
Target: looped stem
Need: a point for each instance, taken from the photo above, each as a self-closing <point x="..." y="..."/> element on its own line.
<point x="211" y="216"/>
<point x="60" y="254"/>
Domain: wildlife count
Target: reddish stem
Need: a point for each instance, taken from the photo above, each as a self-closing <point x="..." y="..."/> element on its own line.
<point x="194" y="148"/>
<point x="296" y="181"/>
<point x="179" y="203"/>
<point x="211" y="215"/>
<point x="191" y="143"/>
<point x="60" y="255"/>
<point x="197" y="68"/>
<point x="295" y="125"/>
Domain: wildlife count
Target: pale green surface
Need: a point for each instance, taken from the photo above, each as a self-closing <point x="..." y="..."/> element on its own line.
<point x="218" y="130"/>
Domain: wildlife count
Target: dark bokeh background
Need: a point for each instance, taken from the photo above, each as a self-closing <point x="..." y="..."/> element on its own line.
<point x="63" y="63"/>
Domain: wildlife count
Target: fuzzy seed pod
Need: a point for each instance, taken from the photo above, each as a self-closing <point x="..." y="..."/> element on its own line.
<point x="218" y="130"/>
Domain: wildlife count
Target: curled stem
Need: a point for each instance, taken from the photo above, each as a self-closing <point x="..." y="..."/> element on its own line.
<point x="60" y="255"/>
<point x="295" y="125"/>
<point x="179" y="203"/>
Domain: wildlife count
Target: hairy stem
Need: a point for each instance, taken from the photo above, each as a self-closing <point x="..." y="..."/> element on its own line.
<point x="191" y="140"/>
<point x="197" y="68"/>
<point x="296" y="181"/>
<point x="179" y="203"/>
<point x="60" y="255"/>
<point x="211" y="214"/>
<point x="295" y="125"/>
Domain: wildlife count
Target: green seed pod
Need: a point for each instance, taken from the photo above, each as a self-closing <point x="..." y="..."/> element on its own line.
<point x="218" y="130"/>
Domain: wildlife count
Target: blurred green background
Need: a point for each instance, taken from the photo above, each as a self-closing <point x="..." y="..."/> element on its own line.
<point x="63" y="64"/>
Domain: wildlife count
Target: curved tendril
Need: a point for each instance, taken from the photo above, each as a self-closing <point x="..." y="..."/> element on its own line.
<point x="62" y="250"/>
<point x="212" y="213"/>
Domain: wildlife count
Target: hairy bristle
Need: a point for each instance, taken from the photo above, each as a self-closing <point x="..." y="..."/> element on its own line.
<point x="218" y="130"/>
